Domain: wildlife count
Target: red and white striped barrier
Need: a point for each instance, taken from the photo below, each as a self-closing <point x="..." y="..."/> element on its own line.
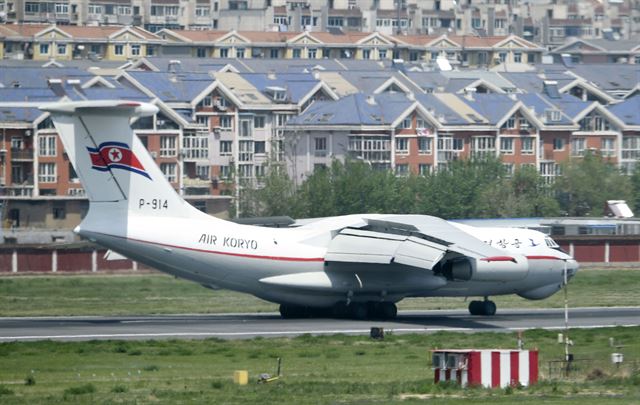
<point x="490" y="368"/>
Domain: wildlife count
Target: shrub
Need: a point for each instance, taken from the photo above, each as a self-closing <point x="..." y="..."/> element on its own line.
<point x="30" y="380"/>
<point x="119" y="389"/>
<point x="151" y="367"/>
<point x="5" y="391"/>
<point x="80" y="390"/>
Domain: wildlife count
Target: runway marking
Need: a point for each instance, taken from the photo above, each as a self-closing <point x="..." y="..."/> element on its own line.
<point x="289" y="333"/>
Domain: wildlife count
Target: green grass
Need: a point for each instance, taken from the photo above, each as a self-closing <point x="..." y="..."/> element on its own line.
<point x="160" y="294"/>
<point x="316" y="370"/>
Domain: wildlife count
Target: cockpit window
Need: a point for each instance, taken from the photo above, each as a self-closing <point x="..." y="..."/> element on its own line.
<point x="551" y="243"/>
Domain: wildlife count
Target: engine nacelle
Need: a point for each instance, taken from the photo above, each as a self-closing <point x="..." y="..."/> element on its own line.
<point x="507" y="268"/>
<point x="501" y="268"/>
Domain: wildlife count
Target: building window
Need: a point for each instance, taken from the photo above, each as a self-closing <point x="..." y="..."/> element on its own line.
<point x="297" y="53"/>
<point x="631" y="147"/>
<point x="44" y="49"/>
<point x="59" y="212"/>
<point x="506" y="146"/>
<point x="62" y="49"/>
<point x="312" y="53"/>
<point x="169" y="171"/>
<point x="47" y="145"/>
<point x="245" y="128"/>
<point x="150" y="51"/>
<point x="224" y="52"/>
<point x="202" y="11"/>
<point x="258" y="121"/>
<point x="558" y="144"/>
<point x="274" y="54"/>
<point x="320" y="147"/>
<point x="503" y="57"/>
<point x="225" y="172"/>
<point x="226" y="148"/>
<point x="47" y="173"/>
<point x="260" y="148"/>
<point x="135" y="50"/>
<point x="578" y="145"/>
<point x="549" y="171"/>
<point x="608" y="147"/>
<point x="406" y="123"/>
<point x="366" y="54"/>
<point x="483" y="145"/>
<point x="375" y="149"/>
<point x="240" y="53"/>
<point x="511" y="123"/>
<point x="402" y="146"/>
<point x="508" y="169"/>
<point x="31" y="8"/>
<point x="527" y="146"/>
<point x="382" y="54"/>
<point x="424" y="169"/>
<point x="62" y="8"/>
<point x="245" y="171"/>
<point x="402" y="170"/>
<point x="168" y="146"/>
<point x="225" y="121"/>
<point x="245" y="149"/>
<point x="424" y="146"/>
<point x="119" y="50"/>
<point x="517" y="57"/>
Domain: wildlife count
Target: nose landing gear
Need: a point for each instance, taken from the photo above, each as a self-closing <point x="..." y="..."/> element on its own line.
<point x="486" y="307"/>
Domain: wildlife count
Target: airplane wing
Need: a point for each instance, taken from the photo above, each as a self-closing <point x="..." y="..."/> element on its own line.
<point x="416" y="241"/>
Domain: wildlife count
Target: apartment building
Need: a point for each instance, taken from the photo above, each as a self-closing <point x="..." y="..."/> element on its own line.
<point x="222" y="122"/>
<point x="115" y="43"/>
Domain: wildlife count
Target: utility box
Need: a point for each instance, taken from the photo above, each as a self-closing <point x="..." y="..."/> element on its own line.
<point x="241" y="377"/>
<point x="491" y="368"/>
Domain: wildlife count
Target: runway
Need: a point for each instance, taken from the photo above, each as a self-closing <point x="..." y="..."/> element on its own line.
<point x="243" y="326"/>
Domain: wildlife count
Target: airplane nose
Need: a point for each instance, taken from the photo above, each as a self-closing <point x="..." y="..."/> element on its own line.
<point x="572" y="268"/>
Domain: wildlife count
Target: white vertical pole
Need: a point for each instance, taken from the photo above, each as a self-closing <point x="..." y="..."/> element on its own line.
<point x="566" y="315"/>
<point x="607" y="252"/>
<point x="14" y="261"/>
<point x="94" y="260"/>
<point x="54" y="261"/>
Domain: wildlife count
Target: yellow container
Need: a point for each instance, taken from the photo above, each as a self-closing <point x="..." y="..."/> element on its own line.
<point x="241" y="377"/>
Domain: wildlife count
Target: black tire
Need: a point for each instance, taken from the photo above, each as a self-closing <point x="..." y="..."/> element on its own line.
<point x="489" y="308"/>
<point x="387" y="310"/>
<point x="475" y="308"/>
<point x="358" y="310"/>
<point x="291" y="311"/>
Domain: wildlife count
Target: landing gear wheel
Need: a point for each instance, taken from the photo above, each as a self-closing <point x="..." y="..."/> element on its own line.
<point x="487" y="308"/>
<point x="291" y="311"/>
<point x="358" y="310"/>
<point x="387" y="310"/>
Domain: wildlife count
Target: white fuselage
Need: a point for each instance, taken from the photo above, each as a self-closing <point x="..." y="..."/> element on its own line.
<point x="223" y="254"/>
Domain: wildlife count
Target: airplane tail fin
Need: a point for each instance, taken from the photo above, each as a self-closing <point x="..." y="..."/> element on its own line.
<point x="119" y="175"/>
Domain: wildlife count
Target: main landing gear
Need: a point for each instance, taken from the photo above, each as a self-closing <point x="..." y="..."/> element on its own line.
<point x="355" y="310"/>
<point x="485" y="307"/>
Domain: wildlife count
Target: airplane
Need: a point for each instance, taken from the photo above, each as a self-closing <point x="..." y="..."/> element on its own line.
<point x="356" y="266"/>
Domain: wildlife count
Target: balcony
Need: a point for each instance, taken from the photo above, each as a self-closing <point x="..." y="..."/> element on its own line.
<point x="21" y="154"/>
<point x="196" y="182"/>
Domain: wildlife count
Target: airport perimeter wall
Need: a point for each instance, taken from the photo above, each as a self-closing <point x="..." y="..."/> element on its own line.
<point x="589" y="250"/>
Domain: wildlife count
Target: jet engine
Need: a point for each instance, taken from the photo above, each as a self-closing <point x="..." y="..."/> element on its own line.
<point x="499" y="268"/>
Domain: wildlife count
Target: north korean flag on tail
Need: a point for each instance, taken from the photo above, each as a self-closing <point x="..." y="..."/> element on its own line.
<point x="115" y="155"/>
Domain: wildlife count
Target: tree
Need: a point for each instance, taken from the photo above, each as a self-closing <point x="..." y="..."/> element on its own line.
<point x="588" y="183"/>
<point x="275" y="196"/>
<point x="454" y="192"/>
<point x="523" y="195"/>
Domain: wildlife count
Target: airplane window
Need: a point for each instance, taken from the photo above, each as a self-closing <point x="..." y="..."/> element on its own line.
<point x="551" y="243"/>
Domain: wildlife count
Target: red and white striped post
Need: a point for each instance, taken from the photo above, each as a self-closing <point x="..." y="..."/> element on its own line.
<point x="491" y="368"/>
